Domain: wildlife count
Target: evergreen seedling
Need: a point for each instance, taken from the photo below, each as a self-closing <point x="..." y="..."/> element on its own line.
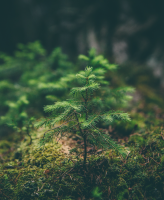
<point x="80" y="114"/>
<point x="115" y="98"/>
<point x="31" y="73"/>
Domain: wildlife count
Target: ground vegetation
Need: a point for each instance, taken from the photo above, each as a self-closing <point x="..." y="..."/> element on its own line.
<point x="40" y="164"/>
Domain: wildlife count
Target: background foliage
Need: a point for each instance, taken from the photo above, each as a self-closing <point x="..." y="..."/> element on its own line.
<point x="124" y="29"/>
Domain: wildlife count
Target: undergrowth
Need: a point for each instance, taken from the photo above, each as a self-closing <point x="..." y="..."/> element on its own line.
<point x="30" y="171"/>
<point x="106" y="176"/>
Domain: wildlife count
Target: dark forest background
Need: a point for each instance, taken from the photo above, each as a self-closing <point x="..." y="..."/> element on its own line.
<point x="125" y="30"/>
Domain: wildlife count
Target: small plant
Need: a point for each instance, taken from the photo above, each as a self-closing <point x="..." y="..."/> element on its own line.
<point x="81" y="114"/>
<point x="29" y="74"/>
<point x="96" y="193"/>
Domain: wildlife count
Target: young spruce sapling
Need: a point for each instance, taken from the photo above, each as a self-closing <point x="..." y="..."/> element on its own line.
<point x="79" y="114"/>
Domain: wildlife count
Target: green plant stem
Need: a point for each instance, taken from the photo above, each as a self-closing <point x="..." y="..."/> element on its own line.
<point x="81" y="132"/>
<point x="84" y="138"/>
<point x="85" y="133"/>
<point x="85" y="149"/>
<point x="28" y="133"/>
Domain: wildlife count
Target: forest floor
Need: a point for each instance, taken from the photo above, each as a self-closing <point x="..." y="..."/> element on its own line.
<point x="53" y="172"/>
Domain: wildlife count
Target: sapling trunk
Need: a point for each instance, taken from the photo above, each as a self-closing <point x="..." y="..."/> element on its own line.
<point x="84" y="138"/>
<point x="86" y="117"/>
<point x="85" y="149"/>
<point x="28" y="133"/>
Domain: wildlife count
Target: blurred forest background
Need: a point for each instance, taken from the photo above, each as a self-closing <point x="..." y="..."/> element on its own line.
<point x="125" y="30"/>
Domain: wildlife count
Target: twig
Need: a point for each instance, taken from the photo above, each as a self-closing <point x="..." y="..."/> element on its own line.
<point x="65" y="173"/>
<point x="1" y="157"/>
<point x="58" y="192"/>
<point x="5" y="195"/>
<point x="155" y="161"/>
<point x="162" y="136"/>
<point x="17" y="178"/>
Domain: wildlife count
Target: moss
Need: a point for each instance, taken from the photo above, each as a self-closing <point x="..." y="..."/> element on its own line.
<point x="37" y="174"/>
<point x="96" y="193"/>
<point x="137" y="139"/>
<point x="4" y="146"/>
<point x="40" y="156"/>
<point x="122" y="190"/>
<point x="162" y="160"/>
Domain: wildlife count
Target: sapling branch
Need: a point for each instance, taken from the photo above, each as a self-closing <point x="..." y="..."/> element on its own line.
<point x="28" y="133"/>
<point x="66" y="132"/>
<point x="107" y="140"/>
<point x="56" y="127"/>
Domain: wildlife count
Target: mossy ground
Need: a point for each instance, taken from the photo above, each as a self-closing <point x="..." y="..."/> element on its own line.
<point x="33" y="172"/>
